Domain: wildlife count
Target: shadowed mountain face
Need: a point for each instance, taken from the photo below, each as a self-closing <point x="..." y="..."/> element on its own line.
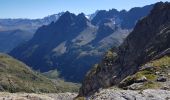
<point x="142" y="58"/>
<point x="127" y="19"/>
<point x="73" y="43"/>
<point x="30" y="25"/>
<point x="14" y="32"/>
<point x="12" y="38"/>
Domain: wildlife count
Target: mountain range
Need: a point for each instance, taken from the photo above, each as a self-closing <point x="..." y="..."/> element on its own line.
<point x="142" y="61"/>
<point x="30" y="25"/>
<point x="14" y="32"/>
<point x="118" y="55"/>
<point x="74" y="43"/>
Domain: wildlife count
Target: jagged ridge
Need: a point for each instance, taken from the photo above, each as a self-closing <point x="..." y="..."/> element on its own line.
<point x="150" y="37"/>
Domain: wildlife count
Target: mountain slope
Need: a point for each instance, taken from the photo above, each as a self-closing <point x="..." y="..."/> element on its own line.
<point x="72" y="44"/>
<point x="149" y="41"/>
<point x="15" y="76"/>
<point x="14" y="32"/>
<point x="55" y="40"/>
<point x="12" y="38"/>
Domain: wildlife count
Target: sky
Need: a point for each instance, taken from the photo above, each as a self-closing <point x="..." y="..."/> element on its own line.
<point x="41" y="8"/>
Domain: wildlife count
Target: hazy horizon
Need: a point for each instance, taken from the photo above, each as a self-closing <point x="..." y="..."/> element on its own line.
<point x="33" y="9"/>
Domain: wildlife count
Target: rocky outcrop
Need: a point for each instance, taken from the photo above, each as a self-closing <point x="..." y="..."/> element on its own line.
<point x="106" y="94"/>
<point x="31" y="96"/>
<point x="149" y="94"/>
<point x="150" y="37"/>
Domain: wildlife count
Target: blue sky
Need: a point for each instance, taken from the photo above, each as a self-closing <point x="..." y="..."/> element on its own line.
<point x="41" y="8"/>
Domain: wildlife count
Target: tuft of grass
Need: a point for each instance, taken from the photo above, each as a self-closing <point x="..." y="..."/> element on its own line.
<point x="161" y="65"/>
<point x="162" y="62"/>
<point x="150" y="85"/>
<point x="52" y="74"/>
<point x="110" y="55"/>
<point x="80" y="98"/>
<point x="148" y="74"/>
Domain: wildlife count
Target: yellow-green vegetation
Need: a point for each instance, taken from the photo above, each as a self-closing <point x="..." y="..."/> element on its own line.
<point x="107" y="60"/>
<point x="53" y="74"/>
<point x="80" y="98"/>
<point x="110" y="55"/>
<point x="126" y="82"/>
<point x="151" y="70"/>
<point x="63" y="86"/>
<point x="148" y="74"/>
<point x="150" y="85"/>
<point x="15" y="76"/>
<point x="162" y="62"/>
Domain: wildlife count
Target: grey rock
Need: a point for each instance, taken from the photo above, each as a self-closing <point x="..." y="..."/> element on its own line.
<point x="149" y="94"/>
<point x="149" y="38"/>
<point x="135" y="86"/>
<point x="142" y="79"/>
<point x="31" y="96"/>
<point x="161" y="79"/>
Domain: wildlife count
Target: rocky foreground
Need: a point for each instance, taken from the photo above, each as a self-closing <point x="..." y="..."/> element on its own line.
<point x="149" y="94"/>
<point x="105" y="94"/>
<point x="27" y="96"/>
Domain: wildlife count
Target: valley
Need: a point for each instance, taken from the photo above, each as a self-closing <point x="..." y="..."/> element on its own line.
<point x="78" y="41"/>
<point x="106" y="55"/>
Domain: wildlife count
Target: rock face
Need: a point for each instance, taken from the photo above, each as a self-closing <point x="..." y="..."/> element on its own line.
<point x="149" y="39"/>
<point x="127" y="19"/>
<point x="106" y="94"/>
<point x="76" y="40"/>
<point x="31" y="96"/>
<point x="109" y="94"/>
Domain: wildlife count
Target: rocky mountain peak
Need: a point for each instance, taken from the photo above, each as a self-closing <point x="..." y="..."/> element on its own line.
<point x="70" y="20"/>
<point x="150" y="38"/>
<point x="73" y="39"/>
<point x="81" y="15"/>
<point x="66" y="18"/>
<point x="104" y="14"/>
<point x="149" y="27"/>
<point x="125" y="18"/>
<point x="106" y="26"/>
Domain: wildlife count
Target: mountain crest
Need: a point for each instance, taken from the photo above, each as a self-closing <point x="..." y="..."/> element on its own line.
<point x="149" y="39"/>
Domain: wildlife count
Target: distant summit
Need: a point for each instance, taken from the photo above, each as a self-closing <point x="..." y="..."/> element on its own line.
<point x="14" y="32"/>
<point x="127" y="19"/>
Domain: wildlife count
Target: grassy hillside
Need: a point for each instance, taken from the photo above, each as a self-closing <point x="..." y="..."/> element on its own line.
<point x="15" y="76"/>
<point x="154" y="74"/>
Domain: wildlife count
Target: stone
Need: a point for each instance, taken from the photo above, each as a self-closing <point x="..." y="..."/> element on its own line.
<point x="142" y="79"/>
<point x="33" y="96"/>
<point x="148" y="94"/>
<point x="161" y="79"/>
<point x="135" y="86"/>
